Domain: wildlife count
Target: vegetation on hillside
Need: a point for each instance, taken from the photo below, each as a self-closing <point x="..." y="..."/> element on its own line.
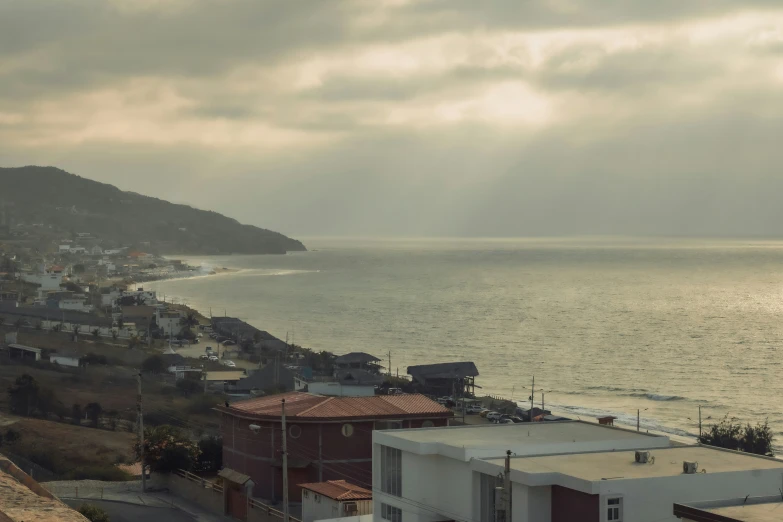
<point x="49" y="195"/>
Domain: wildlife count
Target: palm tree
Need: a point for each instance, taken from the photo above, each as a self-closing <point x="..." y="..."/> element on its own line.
<point x="96" y="333"/>
<point x="189" y="320"/>
<point x="2" y="321"/>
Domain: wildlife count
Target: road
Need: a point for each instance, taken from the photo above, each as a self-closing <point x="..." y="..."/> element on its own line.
<point x="121" y="512"/>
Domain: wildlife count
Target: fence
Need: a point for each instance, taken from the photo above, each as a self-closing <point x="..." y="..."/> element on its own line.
<point x="91" y="489"/>
<point x="36" y="472"/>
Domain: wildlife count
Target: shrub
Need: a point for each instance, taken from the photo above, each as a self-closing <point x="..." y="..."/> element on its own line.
<point x="203" y="404"/>
<point x="93" y="513"/>
<point x="732" y="435"/>
<point x="23" y="395"/>
<point x="106" y="473"/>
<point x="154" y="364"/>
<point x="189" y="387"/>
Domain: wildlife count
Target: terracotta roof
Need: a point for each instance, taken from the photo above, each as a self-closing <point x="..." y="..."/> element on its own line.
<point x="308" y="406"/>
<point x="23" y="499"/>
<point x="339" y="490"/>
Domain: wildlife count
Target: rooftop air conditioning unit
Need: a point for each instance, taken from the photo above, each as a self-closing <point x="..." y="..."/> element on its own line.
<point x="689" y="468"/>
<point x="642" y="457"/>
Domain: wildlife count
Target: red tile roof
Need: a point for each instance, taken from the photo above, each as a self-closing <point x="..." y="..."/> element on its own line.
<point x="339" y="490"/>
<point x="307" y="406"/>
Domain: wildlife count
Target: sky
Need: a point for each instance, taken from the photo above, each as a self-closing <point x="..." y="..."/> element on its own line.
<point x="411" y="117"/>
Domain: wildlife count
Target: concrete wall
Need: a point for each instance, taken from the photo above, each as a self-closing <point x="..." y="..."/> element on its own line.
<point x="206" y="498"/>
<point x="433" y="488"/>
<point x="531" y="503"/>
<point x="652" y="499"/>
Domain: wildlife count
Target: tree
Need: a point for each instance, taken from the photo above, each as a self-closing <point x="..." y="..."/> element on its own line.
<point x="189" y="386"/>
<point x="48" y="403"/>
<point x="730" y="434"/>
<point x="134" y="341"/>
<point x="12" y="436"/>
<point x="93" y="412"/>
<point x="93" y="513"/>
<point x="78" y="269"/>
<point x="154" y="364"/>
<point x="167" y="449"/>
<point x="96" y="333"/>
<point x="19" y="323"/>
<point x="2" y="321"/>
<point x="76" y="330"/>
<point x="23" y="395"/>
<point x="211" y="457"/>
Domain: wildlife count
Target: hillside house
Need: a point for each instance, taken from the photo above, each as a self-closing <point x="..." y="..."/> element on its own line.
<point x="334" y="499"/>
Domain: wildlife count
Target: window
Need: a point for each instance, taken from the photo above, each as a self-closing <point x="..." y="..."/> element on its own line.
<point x="305" y="493"/>
<point x="347" y="430"/>
<point x="295" y="431"/>
<point x="614" y="509"/>
<point x="391" y="513"/>
<point x="488" y="496"/>
<point x="391" y="471"/>
<point x="388" y="425"/>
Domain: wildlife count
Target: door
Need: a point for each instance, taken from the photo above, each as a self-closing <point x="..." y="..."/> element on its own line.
<point x="237" y="504"/>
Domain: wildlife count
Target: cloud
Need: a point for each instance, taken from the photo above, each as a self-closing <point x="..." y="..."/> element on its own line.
<point x="409" y="116"/>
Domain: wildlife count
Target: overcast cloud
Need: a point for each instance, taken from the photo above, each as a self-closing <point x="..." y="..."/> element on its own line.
<point x="411" y="117"/>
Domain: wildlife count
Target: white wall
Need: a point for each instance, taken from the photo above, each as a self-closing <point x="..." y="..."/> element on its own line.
<point x="433" y="488"/>
<point x="64" y="361"/>
<point x="652" y="499"/>
<point x="48" y="282"/>
<point x="335" y="389"/>
<point x="531" y="503"/>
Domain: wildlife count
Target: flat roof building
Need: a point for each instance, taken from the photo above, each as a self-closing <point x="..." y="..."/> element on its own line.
<point x="559" y="472"/>
<point x="756" y="509"/>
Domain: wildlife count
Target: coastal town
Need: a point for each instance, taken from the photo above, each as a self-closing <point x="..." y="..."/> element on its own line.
<point x="232" y="421"/>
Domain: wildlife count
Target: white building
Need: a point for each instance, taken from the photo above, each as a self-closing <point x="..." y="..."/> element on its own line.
<point x="560" y="471"/>
<point x="334" y="499"/>
<point x="76" y="303"/>
<point x="49" y="281"/>
<point x="77" y="250"/>
<point x="743" y="509"/>
<point x="169" y="322"/>
<point x="65" y="360"/>
<point x="64" y="248"/>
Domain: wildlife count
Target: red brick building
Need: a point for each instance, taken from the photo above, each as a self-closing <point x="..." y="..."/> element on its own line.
<point x="329" y="438"/>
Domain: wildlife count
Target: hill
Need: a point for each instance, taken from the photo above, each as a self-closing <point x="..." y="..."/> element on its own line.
<point x="72" y="204"/>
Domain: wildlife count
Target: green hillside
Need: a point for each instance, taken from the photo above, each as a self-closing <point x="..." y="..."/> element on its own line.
<point x="72" y="204"/>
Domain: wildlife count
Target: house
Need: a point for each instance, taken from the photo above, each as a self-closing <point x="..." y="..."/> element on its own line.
<point x="559" y="471"/>
<point x="329" y="438"/>
<point x="48" y="281"/>
<point x="445" y="378"/>
<point x="24" y="353"/>
<point x="142" y="316"/>
<point x="357" y="360"/>
<point x="334" y="499"/>
<point x="345" y="383"/>
<point x="73" y="361"/>
<point x="169" y="322"/>
<point x="64" y="249"/>
<point x="77" y="250"/>
<point x="272" y="376"/>
<point x="96" y="251"/>
<point x="742" y="509"/>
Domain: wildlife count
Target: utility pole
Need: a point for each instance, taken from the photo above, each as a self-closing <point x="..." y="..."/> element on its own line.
<point x="141" y="439"/>
<point x="542" y="401"/>
<point x="699" y="421"/>
<point x="532" y="394"/>
<point x="638" y="413"/>
<point x="390" y="366"/>
<point x="507" y="488"/>
<point x="285" y="470"/>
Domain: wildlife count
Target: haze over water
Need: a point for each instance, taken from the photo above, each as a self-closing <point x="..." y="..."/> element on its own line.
<point x="606" y="325"/>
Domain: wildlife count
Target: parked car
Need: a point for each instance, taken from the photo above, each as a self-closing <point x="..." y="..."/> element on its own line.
<point x="213" y="358"/>
<point x="494" y="416"/>
<point x="204" y="356"/>
<point x="474" y="408"/>
<point x="505" y="421"/>
<point x="516" y="420"/>
<point x="485" y="412"/>
<point x="231" y="364"/>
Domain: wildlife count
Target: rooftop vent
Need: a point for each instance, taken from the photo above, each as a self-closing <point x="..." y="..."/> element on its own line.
<point x="689" y="468"/>
<point x="643" y="457"/>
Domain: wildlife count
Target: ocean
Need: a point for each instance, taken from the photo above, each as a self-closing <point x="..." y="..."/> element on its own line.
<point x="606" y="326"/>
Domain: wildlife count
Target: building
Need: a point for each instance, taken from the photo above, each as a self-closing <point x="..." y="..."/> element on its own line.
<point x="744" y="509"/>
<point x="23" y="499"/>
<point x="329" y="438"/>
<point x="24" y="353"/>
<point x="49" y="281"/>
<point x="445" y="378"/>
<point x="357" y="360"/>
<point x="334" y="499"/>
<point x="271" y="377"/>
<point x="338" y="389"/>
<point x="169" y="322"/>
<point x="559" y="471"/>
<point x="73" y="361"/>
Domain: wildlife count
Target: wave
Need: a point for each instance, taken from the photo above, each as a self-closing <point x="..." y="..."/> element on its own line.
<point x="657" y="397"/>
<point x="645" y="423"/>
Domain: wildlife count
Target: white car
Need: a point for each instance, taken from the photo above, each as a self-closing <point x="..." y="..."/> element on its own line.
<point x="505" y="421"/>
<point x="474" y="408"/>
<point x="232" y="364"/>
<point x="494" y="416"/>
<point x="213" y="358"/>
